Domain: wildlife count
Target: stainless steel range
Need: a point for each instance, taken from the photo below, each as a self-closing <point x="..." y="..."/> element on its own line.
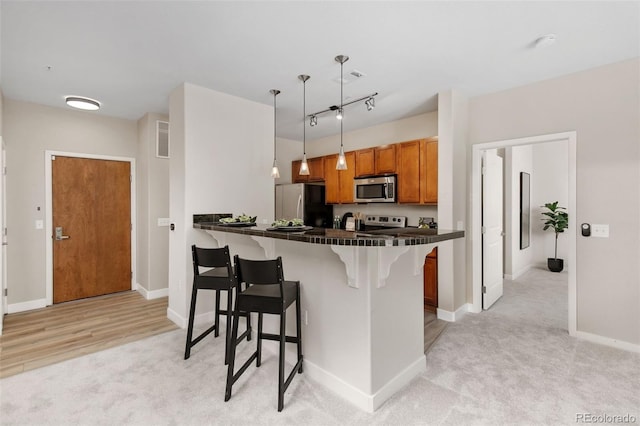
<point x="373" y="222"/>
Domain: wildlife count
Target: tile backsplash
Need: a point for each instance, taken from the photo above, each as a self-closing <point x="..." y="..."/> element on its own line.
<point x="413" y="213"/>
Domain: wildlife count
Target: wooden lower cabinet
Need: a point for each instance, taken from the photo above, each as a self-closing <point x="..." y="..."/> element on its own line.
<point x="431" y="281"/>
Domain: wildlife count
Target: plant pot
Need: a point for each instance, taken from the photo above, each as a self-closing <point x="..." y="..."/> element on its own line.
<point x="555" y="265"/>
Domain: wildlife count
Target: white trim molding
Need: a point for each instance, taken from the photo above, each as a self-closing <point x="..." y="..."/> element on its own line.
<point x="476" y="214"/>
<point x="29" y="305"/>
<point x="607" y="341"/>
<point x="48" y="182"/>
<point x="152" y="294"/>
<point x="454" y="316"/>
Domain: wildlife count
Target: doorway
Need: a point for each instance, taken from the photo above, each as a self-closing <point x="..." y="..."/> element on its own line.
<point x="476" y="231"/>
<point x="90" y="225"/>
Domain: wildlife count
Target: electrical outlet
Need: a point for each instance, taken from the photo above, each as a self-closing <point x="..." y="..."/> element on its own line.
<point x="164" y="221"/>
<point x="601" y="231"/>
<point x="39" y="224"/>
<point x="306" y="317"/>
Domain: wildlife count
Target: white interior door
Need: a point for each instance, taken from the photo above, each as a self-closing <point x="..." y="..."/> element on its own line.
<point x="492" y="234"/>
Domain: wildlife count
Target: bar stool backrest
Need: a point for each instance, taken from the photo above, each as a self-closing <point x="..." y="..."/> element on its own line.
<point x="211" y="258"/>
<point x="259" y="272"/>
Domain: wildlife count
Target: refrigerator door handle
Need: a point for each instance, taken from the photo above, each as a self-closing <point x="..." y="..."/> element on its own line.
<point x="299" y="206"/>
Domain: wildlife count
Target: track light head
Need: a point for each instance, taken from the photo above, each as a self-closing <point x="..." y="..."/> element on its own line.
<point x="339" y="113"/>
<point x="313" y="121"/>
<point x="370" y="103"/>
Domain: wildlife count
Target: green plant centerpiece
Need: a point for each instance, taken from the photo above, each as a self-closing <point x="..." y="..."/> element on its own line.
<point x="556" y="218"/>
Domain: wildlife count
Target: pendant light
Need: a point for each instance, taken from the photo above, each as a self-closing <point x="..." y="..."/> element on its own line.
<point x="275" y="173"/>
<point x="342" y="161"/>
<point x="304" y="166"/>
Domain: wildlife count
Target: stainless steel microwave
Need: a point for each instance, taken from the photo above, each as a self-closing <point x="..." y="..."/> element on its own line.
<point x="375" y="189"/>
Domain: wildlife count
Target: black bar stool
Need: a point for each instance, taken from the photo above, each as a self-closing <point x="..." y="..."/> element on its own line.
<point x="219" y="278"/>
<point x="267" y="293"/>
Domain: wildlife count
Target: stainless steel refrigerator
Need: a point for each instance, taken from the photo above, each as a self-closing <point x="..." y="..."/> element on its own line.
<point x="304" y="201"/>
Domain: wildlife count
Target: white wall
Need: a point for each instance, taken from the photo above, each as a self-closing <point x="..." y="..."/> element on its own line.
<point x="452" y="199"/>
<point x="416" y="127"/>
<point x="549" y="183"/>
<point x="602" y="105"/>
<point x="30" y="129"/>
<point x="218" y="164"/>
<point x="153" y="203"/>
<point x="516" y="261"/>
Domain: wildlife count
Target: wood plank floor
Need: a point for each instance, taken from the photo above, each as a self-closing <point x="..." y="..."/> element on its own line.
<point x="433" y="327"/>
<point x="67" y="330"/>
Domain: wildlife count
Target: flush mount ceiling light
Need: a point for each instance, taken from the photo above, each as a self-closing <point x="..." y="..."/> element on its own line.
<point x="80" y="102"/>
<point x="545" y="41"/>
<point x="275" y="173"/>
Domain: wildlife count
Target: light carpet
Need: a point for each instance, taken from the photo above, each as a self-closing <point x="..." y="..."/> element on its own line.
<point x="514" y="364"/>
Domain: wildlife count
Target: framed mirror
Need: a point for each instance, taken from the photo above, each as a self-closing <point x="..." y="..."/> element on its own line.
<point x="525" y="210"/>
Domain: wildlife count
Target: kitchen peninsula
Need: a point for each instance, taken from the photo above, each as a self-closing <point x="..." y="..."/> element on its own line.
<point x="361" y="299"/>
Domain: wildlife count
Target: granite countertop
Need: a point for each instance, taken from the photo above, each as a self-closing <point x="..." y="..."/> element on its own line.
<point x="392" y="237"/>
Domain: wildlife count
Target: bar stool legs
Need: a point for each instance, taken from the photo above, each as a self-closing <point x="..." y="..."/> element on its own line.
<point x="282" y="338"/>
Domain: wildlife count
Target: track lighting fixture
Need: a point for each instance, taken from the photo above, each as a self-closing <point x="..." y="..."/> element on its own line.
<point x="370" y="103"/>
<point x="275" y="173"/>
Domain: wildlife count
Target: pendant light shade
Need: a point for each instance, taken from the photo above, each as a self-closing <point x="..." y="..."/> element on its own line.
<point x="304" y="166"/>
<point x="342" y="161"/>
<point x="275" y="173"/>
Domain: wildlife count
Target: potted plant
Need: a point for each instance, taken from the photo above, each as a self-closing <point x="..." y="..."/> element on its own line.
<point x="557" y="219"/>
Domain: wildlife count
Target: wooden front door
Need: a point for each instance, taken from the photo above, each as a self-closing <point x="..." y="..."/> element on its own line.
<point x="91" y="227"/>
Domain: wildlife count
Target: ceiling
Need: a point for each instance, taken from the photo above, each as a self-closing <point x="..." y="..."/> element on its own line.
<point x="131" y="55"/>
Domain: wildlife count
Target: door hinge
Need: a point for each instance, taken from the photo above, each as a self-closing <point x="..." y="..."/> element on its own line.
<point x="130" y="178"/>
<point x="131" y="274"/>
<point x="4" y="170"/>
<point x="484" y="290"/>
<point x="5" y="231"/>
<point x="483" y="230"/>
<point x="483" y="170"/>
<point x="6" y="292"/>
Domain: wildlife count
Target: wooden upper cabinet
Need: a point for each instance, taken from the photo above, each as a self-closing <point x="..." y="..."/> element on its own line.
<point x="429" y="171"/>
<point x="296" y="177"/>
<point x="418" y="171"/>
<point x="339" y="183"/>
<point x="316" y="169"/>
<point x="408" y="171"/>
<point x="385" y="159"/>
<point x="331" y="179"/>
<point x="346" y="178"/>
<point x="365" y="162"/>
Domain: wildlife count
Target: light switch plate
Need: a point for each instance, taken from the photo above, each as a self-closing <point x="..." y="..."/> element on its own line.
<point x="601" y="231"/>
<point x="164" y="221"/>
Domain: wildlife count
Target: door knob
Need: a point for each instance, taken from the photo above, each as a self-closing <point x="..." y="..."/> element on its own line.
<point x="59" y="235"/>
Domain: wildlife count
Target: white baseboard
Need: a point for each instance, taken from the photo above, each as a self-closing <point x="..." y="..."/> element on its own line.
<point x="607" y="341"/>
<point x="203" y="318"/>
<point x="454" y="316"/>
<point x="518" y="274"/>
<point x="362" y="400"/>
<point x="177" y="319"/>
<point x="26" y="306"/>
<point x="152" y="294"/>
